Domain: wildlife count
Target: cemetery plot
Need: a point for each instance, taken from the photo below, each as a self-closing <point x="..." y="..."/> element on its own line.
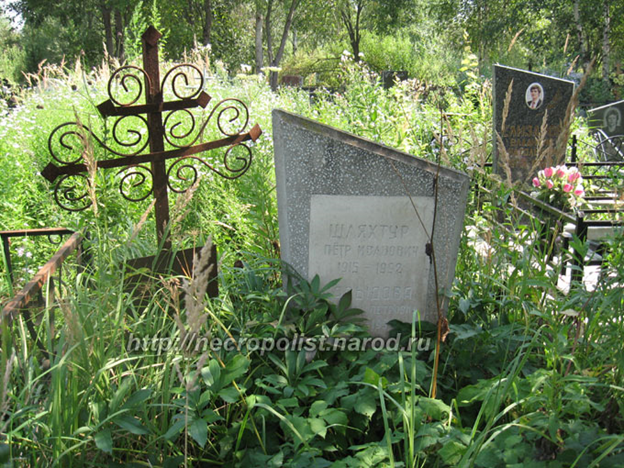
<point x="534" y="100"/>
<point x="166" y="123"/>
<point x="371" y="215"/>
<point x="606" y="123"/>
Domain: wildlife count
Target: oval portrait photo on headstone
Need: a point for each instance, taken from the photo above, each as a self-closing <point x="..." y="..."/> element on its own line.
<point x="534" y="95"/>
<point x="612" y="120"/>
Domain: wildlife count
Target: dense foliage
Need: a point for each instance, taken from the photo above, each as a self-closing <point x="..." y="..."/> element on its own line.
<point x="428" y="39"/>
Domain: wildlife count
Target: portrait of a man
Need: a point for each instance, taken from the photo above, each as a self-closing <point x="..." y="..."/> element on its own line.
<point x="534" y="96"/>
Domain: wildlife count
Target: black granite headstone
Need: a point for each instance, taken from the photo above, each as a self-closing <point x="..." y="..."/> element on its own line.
<point x="608" y="118"/>
<point x="532" y="95"/>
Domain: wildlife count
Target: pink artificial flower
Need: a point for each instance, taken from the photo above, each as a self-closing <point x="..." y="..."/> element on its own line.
<point x="536" y="182"/>
<point x="574" y="176"/>
<point x="579" y="192"/>
<point x="561" y="172"/>
<point x="567" y="188"/>
<point x="549" y="184"/>
<point x="548" y="172"/>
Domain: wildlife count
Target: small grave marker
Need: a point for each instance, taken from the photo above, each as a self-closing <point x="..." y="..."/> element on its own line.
<point x="389" y="77"/>
<point x="608" y="118"/>
<point x="606" y="121"/>
<point x="348" y="209"/>
<point x="532" y="96"/>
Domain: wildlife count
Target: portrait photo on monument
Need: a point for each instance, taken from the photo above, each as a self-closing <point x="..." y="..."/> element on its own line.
<point x="612" y="120"/>
<point x="534" y="95"/>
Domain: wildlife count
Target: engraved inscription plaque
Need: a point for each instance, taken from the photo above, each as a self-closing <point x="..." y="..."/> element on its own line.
<point x="376" y="245"/>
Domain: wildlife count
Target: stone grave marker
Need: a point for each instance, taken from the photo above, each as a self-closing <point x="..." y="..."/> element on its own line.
<point x="292" y="80"/>
<point x="532" y="96"/>
<point x="389" y="77"/>
<point x="606" y="122"/>
<point x="345" y="212"/>
<point x="608" y="118"/>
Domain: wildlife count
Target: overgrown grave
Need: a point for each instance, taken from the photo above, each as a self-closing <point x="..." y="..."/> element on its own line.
<point x="385" y="222"/>
<point x="173" y="162"/>
<point x="532" y="118"/>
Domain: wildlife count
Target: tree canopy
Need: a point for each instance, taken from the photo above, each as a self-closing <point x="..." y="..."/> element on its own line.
<point x="427" y="39"/>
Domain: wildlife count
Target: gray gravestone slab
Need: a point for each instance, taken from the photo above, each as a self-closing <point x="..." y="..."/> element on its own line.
<point x="532" y="95"/>
<point x="345" y="212"/>
<point x="608" y="118"/>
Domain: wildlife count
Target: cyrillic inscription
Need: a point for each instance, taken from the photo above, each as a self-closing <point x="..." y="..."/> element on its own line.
<point x="377" y="246"/>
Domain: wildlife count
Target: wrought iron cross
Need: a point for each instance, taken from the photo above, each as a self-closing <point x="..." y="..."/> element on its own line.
<point x="70" y="144"/>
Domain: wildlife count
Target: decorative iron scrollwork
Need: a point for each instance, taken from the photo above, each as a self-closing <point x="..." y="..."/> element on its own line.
<point x="181" y="83"/>
<point x="183" y="173"/>
<point x="232" y="119"/>
<point x="132" y="183"/>
<point x="152" y="123"/>
<point x="138" y="139"/>
<point x="178" y="129"/>
<point x="126" y="78"/>
<point x="68" y="142"/>
<point x="71" y="192"/>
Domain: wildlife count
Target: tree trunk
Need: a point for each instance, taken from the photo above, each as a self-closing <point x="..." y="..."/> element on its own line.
<point x="207" y="26"/>
<point x="606" y="42"/>
<point x="267" y="31"/>
<point x="119" y="37"/>
<point x="259" y="57"/>
<point x="280" y="52"/>
<point x="108" y="31"/>
<point x="580" y="33"/>
<point x="274" y="60"/>
<point x="269" y="40"/>
<point x="294" y="41"/>
<point x="287" y="25"/>
<point x="353" y="30"/>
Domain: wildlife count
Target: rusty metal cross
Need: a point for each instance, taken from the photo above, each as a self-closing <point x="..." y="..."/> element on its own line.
<point x="71" y="144"/>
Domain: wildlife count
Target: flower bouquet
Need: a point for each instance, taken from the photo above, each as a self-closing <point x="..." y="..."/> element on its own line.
<point x="560" y="187"/>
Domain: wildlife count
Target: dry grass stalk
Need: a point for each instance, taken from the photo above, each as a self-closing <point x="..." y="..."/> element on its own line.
<point x="513" y="41"/>
<point x="180" y="208"/>
<point x="573" y="65"/>
<point x="542" y="154"/>
<point x="72" y="324"/>
<point x="6" y="377"/>
<point x="503" y="156"/>
<point x="541" y="140"/>
<point x="506" y="105"/>
<point x="564" y="135"/>
<point x="194" y="290"/>
<point x="503" y="160"/>
<point x="90" y="162"/>
<point x="141" y="223"/>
